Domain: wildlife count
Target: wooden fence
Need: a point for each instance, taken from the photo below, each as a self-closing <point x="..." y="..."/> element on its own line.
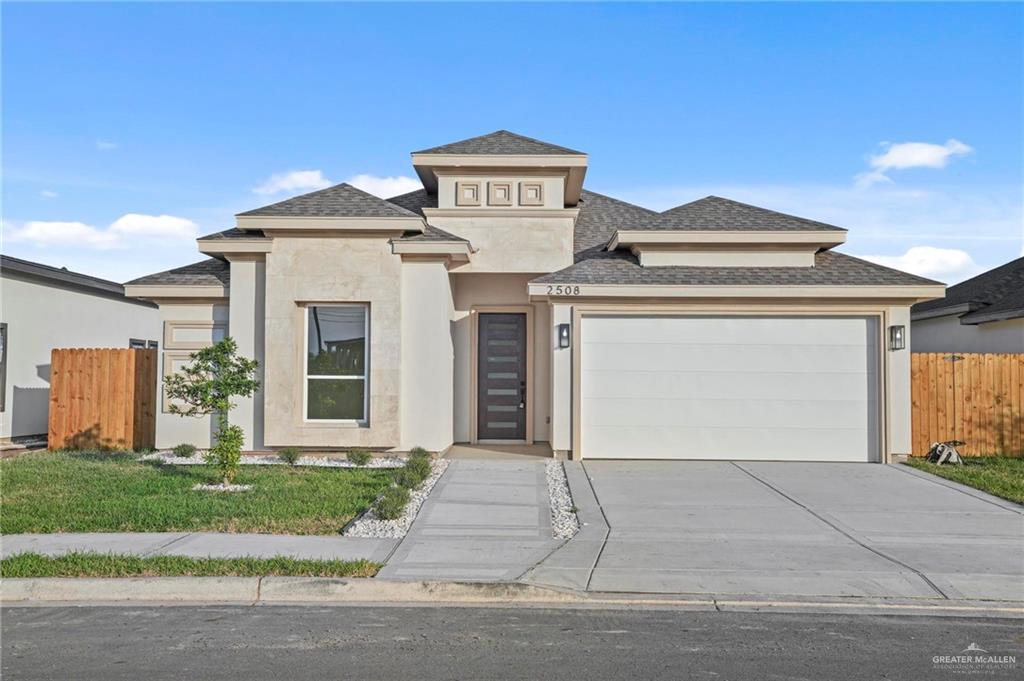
<point x="974" y="397"/>
<point x="102" y="398"/>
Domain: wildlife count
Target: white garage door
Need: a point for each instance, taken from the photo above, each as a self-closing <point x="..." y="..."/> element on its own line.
<point x="745" y="388"/>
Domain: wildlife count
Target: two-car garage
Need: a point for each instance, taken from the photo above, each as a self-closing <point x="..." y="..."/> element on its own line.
<point x="742" y="387"/>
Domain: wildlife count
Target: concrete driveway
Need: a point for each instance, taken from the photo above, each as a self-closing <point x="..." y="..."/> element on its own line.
<point x="797" y="529"/>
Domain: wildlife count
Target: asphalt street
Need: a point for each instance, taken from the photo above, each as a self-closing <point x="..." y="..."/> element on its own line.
<point x="425" y="643"/>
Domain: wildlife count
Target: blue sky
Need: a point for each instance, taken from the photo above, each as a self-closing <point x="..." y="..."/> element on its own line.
<point x="130" y="128"/>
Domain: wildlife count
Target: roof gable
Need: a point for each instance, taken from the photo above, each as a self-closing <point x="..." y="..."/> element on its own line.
<point x="713" y="213"/>
<point x="340" y="201"/>
<point x="501" y="143"/>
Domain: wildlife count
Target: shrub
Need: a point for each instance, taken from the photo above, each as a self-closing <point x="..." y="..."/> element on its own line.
<point x="419" y="453"/>
<point x="392" y="503"/>
<point x="359" y="457"/>
<point x="226" y="454"/>
<point x="409" y="478"/>
<point x="290" y="455"/>
<point x="419" y="466"/>
<point x="184" y="450"/>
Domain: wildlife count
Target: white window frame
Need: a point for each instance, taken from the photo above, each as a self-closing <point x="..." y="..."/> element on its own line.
<point x="366" y="366"/>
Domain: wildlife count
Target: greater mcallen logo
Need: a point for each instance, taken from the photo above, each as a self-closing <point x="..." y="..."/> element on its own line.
<point x="975" y="660"/>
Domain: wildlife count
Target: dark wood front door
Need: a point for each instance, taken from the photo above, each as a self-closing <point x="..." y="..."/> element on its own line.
<point x="501" y="377"/>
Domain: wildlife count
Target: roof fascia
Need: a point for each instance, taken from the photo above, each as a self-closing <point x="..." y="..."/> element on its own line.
<point x="153" y="291"/>
<point x="819" y="238"/>
<point x="916" y="293"/>
<point x="338" y="224"/>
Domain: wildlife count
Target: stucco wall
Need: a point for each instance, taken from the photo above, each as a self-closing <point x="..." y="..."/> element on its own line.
<point x="947" y="334"/>
<point x="248" y="284"/>
<point x="303" y="270"/>
<point x="499" y="289"/>
<point x="554" y="189"/>
<point x="39" y="318"/>
<point x="513" y="244"/>
<point x="172" y="429"/>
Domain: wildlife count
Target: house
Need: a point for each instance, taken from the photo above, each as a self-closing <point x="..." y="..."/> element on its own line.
<point x="503" y="302"/>
<point x="982" y="314"/>
<point x="47" y="307"/>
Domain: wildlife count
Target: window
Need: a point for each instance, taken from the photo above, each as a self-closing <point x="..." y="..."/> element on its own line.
<point x="139" y="344"/>
<point x="336" y="362"/>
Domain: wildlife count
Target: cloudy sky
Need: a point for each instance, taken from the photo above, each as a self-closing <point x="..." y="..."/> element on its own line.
<point x="129" y="129"/>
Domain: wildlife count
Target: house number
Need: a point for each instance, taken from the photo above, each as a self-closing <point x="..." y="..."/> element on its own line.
<point x="563" y="290"/>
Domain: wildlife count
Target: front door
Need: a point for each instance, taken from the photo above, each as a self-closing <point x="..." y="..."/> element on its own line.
<point x="501" y="377"/>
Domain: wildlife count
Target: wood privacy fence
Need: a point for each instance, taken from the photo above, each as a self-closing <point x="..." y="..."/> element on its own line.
<point x="102" y="398"/>
<point x="974" y="397"/>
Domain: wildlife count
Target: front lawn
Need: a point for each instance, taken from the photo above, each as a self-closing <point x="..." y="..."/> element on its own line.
<point x="106" y="565"/>
<point x="1001" y="476"/>
<point x="103" y="492"/>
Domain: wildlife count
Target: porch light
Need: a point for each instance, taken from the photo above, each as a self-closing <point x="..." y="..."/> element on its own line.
<point x="563" y="335"/>
<point x="897" y="337"/>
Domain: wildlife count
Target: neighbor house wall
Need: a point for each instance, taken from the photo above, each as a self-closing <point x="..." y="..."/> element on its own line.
<point x="41" y="317"/>
<point x="307" y="270"/>
<point x="207" y="322"/>
<point x="498" y="289"/>
<point x="947" y="334"/>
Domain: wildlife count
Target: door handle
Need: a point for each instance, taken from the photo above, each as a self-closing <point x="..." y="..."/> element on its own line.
<point x="522" y="394"/>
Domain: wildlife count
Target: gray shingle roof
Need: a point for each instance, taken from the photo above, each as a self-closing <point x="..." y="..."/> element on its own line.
<point x="235" y="233"/>
<point x="600" y="216"/>
<point x="991" y="296"/>
<point x="61" y="277"/>
<point x="714" y="213"/>
<point x="209" y="272"/>
<point x="342" y="201"/>
<point x="416" y="201"/>
<point x="500" y="143"/>
<point x="831" y="269"/>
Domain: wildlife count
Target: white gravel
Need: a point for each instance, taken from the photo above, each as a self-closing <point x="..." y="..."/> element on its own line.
<point x="221" y="487"/>
<point x="167" y="456"/>
<point x="369" y="525"/>
<point x="564" y="523"/>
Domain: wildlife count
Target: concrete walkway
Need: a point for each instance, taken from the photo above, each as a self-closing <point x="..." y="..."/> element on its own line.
<point x="485" y="520"/>
<point x="202" y="545"/>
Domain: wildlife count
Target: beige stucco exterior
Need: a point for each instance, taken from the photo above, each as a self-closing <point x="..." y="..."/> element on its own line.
<point x="536" y="243"/>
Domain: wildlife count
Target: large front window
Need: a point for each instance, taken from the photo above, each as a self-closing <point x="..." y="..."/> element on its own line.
<point x="336" y="362"/>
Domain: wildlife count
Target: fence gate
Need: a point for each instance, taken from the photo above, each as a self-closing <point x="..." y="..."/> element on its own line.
<point x="974" y="397"/>
<point x="102" y="398"/>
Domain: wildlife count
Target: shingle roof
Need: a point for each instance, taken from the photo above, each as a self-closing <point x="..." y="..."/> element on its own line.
<point x="500" y="143"/>
<point x="991" y="296"/>
<point x="341" y="200"/>
<point x="235" y="233"/>
<point x="209" y="272"/>
<point x="62" y="277"/>
<point x="831" y="269"/>
<point x="600" y="216"/>
<point x="416" y="201"/>
<point x="717" y="214"/>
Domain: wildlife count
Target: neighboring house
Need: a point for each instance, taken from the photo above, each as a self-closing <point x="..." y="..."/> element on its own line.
<point x="503" y="302"/>
<point x="47" y="307"/>
<point x="982" y="314"/>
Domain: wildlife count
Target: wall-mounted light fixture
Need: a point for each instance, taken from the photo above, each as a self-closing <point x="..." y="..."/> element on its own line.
<point x="563" y="336"/>
<point x="897" y="337"/>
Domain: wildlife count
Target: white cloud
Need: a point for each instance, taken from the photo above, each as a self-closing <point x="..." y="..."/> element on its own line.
<point x="127" y="231"/>
<point x="293" y="181"/>
<point x="385" y="187"/>
<point x="105" y="145"/>
<point x="905" y="155"/>
<point x="48" y="194"/>
<point x="948" y="265"/>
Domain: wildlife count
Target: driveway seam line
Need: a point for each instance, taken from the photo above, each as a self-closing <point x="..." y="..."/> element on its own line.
<point x="942" y="482"/>
<point x="843" y="532"/>
<point x="608" y="525"/>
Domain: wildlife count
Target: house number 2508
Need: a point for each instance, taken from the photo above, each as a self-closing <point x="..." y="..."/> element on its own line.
<point x="563" y="290"/>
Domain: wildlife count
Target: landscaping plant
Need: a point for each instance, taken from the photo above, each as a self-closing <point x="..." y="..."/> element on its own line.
<point x="206" y="385"/>
<point x="392" y="503"/>
<point x="184" y="450"/>
<point x="359" y="457"/>
<point x="290" y="455"/>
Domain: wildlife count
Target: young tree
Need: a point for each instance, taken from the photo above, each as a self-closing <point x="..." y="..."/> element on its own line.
<point x="214" y="376"/>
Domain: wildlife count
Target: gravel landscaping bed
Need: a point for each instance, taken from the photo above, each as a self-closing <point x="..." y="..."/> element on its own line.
<point x="564" y="523"/>
<point x="369" y="525"/>
<point x="167" y="456"/>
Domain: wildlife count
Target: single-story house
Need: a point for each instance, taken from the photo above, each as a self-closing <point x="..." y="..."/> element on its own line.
<point x="982" y="314"/>
<point x="47" y="307"/>
<point x="503" y="302"/>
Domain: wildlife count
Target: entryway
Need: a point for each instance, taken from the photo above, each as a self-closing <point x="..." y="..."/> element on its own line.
<point x="502" y="377"/>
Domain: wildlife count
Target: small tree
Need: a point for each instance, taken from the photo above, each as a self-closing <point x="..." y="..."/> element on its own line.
<point x="214" y="376"/>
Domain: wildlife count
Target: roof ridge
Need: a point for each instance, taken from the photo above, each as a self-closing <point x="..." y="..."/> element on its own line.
<point x="621" y="201"/>
<point x="451" y="147"/>
<point x="733" y="202"/>
<point x="333" y="190"/>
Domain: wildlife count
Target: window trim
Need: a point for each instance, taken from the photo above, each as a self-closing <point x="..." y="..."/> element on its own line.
<point x="365" y="377"/>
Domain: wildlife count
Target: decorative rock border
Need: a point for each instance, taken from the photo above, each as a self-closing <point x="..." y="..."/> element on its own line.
<point x="166" y="456"/>
<point x="564" y="523"/>
<point x="369" y="525"/>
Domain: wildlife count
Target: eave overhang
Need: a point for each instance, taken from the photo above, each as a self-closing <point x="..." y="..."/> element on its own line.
<point x="573" y="165"/>
<point x="628" y="238"/>
<point x="568" y="292"/>
<point x="334" y="224"/>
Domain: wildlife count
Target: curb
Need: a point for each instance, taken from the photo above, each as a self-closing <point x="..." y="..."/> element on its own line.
<point x="335" y="591"/>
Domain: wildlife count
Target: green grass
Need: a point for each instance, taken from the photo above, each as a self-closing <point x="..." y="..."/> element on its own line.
<point x="1002" y="476"/>
<point x="109" y="565"/>
<point x="103" y="492"/>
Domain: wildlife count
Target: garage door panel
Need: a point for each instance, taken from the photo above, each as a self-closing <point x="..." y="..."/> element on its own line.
<point x="712" y="385"/>
<point x="768" y="388"/>
<point x="656" y="357"/>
